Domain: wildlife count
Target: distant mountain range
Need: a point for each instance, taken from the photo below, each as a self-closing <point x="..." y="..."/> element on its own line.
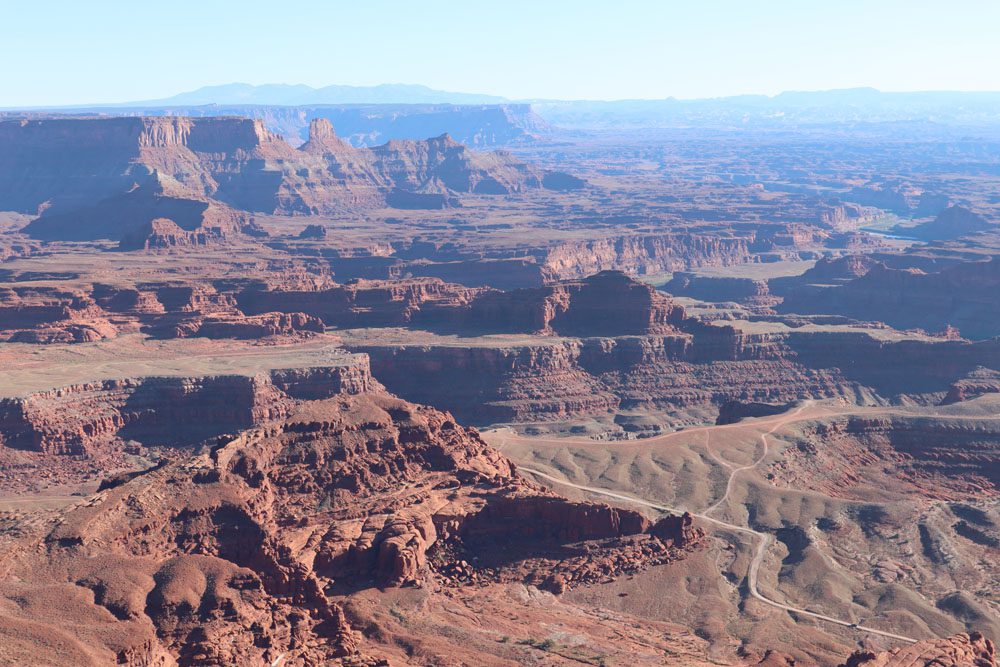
<point x="296" y="95"/>
<point x="280" y="94"/>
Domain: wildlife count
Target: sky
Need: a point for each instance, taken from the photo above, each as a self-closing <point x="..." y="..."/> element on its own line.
<point x="75" y="52"/>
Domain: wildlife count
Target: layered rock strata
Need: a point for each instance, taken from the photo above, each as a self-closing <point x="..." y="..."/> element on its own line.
<point x="155" y="182"/>
<point x="252" y="551"/>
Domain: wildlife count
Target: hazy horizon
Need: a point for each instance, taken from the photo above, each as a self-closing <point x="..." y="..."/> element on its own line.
<point x="639" y="49"/>
<point x="473" y="93"/>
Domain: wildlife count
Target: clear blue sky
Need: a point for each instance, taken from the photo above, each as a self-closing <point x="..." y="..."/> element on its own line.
<point x="76" y="51"/>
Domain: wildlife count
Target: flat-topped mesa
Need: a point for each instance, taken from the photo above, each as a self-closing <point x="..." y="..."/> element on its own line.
<point x="94" y="417"/>
<point x="442" y="164"/>
<point x="209" y="135"/>
<point x="365" y="303"/>
<point x="747" y="291"/>
<point x="80" y="161"/>
<point x="606" y="304"/>
<point x="170" y="309"/>
<point x="952" y="223"/>
<point x="962" y="296"/>
<point x="841" y="268"/>
<point x="127" y="176"/>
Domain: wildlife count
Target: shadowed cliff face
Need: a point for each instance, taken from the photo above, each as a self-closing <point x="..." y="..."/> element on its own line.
<point x="91" y="178"/>
<point x="91" y="419"/>
<point x="963" y="296"/>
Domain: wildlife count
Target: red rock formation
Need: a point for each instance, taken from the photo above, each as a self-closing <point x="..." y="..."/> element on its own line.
<point x="961" y="650"/>
<point x="699" y="367"/>
<point x="31" y="314"/>
<point x="484" y="385"/>
<point x="365" y="303"/>
<point x="253" y="551"/>
<point x="313" y="232"/>
<point x="897" y="196"/>
<point x="845" y="217"/>
<point x="606" y="304"/>
<point x="478" y="125"/>
<point x="89" y="418"/>
<point x="250" y="327"/>
<point x="160" y="182"/>
<point x="964" y="296"/>
<point x="152" y="212"/>
<point x="848" y="267"/>
<point x="980" y="381"/>
<point x="642" y="254"/>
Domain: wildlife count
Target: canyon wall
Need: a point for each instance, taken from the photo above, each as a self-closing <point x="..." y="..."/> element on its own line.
<point x="83" y="419"/>
<point x="155" y="182"/>
<point x="963" y="296"/>
<point x="701" y="370"/>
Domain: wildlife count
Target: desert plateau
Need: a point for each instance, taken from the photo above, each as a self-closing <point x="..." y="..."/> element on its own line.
<point x="373" y="376"/>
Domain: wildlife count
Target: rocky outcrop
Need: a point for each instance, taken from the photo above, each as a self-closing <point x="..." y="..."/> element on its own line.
<point x="609" y="303"/>
<point x="313" y="232"/>
<point x="152" y="214"/>
<point x="487" y="384"/>
<point x="250" y="327"/>
<point x="961" y="650"/>
<point x="253" y="552"/>
<point x="30" y="314"/>
<point x="845" y="216"/>
<point x="171" y="309"/>
<point x="535" y="263"/>
<point x="833" y="270"/>
<point x="642" y="254"/>
<point x="700" y="367"/>
<point x="976" y="383"/>
<point x="162" y="233"/>
<point x="900" y="197"/>
<point x="732" y="412"/>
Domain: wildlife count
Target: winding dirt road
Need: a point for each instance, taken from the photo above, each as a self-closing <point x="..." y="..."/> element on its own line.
<point x="762" y="540"/>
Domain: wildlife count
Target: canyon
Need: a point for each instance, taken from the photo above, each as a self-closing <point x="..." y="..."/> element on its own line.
<point x="127" y="177"/>
<point x="272" y="393"/>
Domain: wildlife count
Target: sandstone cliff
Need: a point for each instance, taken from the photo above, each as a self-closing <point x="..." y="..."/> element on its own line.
<point x="90" y="418"/>
<point x="128" y="178"/>
<point x="963" y="296"/>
